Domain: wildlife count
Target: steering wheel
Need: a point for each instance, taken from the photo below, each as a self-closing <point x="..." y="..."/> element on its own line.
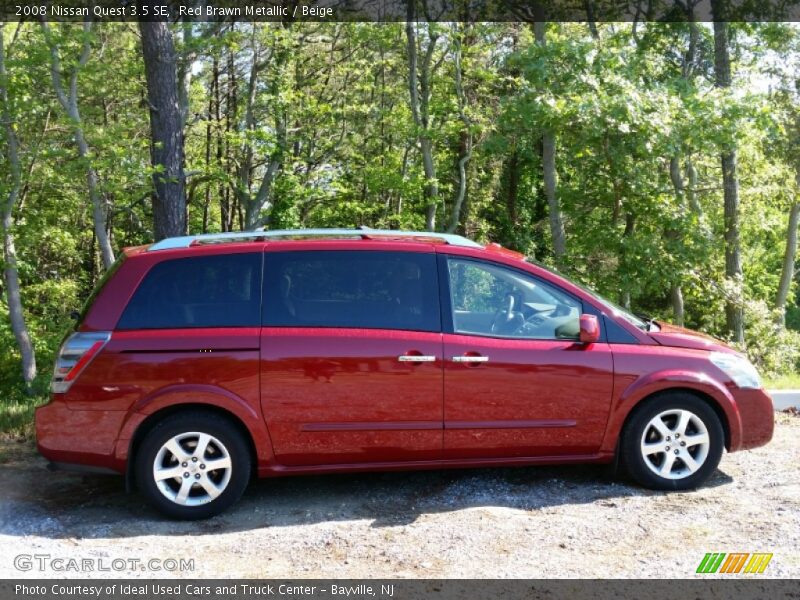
<point x="507" y="320"/>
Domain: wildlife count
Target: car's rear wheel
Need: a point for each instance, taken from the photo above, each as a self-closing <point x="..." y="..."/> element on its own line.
<point x="193" y="465"/>
<point x="673" y="442"/>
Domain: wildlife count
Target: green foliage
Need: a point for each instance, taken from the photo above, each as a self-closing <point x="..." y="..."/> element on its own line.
<point x="330" y="123"/>
<point x="774" y="350"/>
<point x="788" y="381"/>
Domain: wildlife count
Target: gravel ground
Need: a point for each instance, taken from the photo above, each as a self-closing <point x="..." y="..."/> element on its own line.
<point x="523" y="522"/>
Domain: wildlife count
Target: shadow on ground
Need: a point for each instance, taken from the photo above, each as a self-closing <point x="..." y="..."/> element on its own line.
<point x="36" y="501"/>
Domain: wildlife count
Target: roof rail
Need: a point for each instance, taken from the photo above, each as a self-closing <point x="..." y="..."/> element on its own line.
<point x="212" y="238"/>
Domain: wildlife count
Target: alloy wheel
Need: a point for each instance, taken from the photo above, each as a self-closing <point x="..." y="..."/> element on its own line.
<point x="675" y="444"/>
<point x="192" y="468"/>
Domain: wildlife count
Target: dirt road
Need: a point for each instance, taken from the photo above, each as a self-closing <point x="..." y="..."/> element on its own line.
<point x="525" y="522"/>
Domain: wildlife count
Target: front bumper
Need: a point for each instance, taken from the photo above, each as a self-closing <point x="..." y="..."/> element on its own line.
<point x="757" y="416"/>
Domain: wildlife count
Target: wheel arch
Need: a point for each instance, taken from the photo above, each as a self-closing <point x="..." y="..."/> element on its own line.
<point x="699" y="394"/>
<point x="660" y="383"/>
<point x="151" y="420"/>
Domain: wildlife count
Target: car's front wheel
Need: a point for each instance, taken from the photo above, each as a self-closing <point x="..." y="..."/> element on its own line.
<point x="193" y="465"/>
<point x="673" y="442"/>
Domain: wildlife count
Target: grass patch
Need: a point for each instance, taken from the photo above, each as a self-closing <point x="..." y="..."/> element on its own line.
<point x="16" y="413"/>
<point x="783" y="382"/>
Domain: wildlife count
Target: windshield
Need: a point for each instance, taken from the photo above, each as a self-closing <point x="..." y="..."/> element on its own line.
<point x="619" y="311"/>
<point x="612" y="306"/>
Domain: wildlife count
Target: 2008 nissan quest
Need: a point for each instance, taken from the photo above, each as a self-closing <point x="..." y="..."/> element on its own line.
<point x="201" y="361"/>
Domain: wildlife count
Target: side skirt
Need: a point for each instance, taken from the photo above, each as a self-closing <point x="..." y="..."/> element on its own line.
<point x="275" y="470"/>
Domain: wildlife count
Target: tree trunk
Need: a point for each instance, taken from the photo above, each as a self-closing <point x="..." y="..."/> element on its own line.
<point x="68" y="99"/>
<point x="221" y="154"/>
<point x="549" y="174"/>
<point x="630" y="227"/>
<point x="252" y="208"/>
<point x="590" y="19"/>
<point x="551" y="193"/>
<point x="184" y="71"/>
<point x="691" y="173"/>
<point x="10" y="273"/>
<point x="512" y="175"/>
<point x="787" y="271"/>
<point x="419" y="97"/>
<point x="676" y="294"/>
<point x="734" y="312"/>
<point x="254" y="203"/>
<point x="210" y="109"/>
<point x="673" y="235"/>
<point x="431" y="186"/>
<point x="466" y="136"/>
<point x="11" y="276"/>
<point x="166" y="130"/>
<point x="676" y="234"/>
<point x="676" y="177"/>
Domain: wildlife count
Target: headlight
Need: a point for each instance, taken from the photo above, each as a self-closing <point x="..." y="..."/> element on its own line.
<point x="738" y="368"/>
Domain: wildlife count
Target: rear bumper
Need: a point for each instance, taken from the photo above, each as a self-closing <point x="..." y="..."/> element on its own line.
<point x="757" y="416"/>
<point x="78" y="438"/>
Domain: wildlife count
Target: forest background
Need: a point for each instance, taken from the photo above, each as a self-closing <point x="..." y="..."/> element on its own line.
<point x="657" y="162"/>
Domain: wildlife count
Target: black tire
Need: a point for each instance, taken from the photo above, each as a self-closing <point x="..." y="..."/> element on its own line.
<point x="641" y="469"/>
<point x="224" y="434"/>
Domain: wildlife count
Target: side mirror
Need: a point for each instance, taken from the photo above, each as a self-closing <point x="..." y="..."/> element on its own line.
<point x="590" y="329"/>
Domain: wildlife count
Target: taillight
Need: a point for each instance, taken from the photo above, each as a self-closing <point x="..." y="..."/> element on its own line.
<point x="77" y="352"/>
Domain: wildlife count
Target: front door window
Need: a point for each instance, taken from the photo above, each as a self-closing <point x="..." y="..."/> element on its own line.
<point x="494" y="301"/>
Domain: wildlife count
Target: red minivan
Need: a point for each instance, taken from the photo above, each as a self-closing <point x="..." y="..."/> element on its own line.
<point x="201" y="361"/>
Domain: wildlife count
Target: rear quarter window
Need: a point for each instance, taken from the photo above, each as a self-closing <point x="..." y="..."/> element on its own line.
<point x="204" y="291"/>
<point x="101" y="283"/>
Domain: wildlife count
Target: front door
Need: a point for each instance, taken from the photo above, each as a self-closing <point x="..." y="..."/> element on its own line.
<point x="351" y="357"/>
<point x="517" y="380"/>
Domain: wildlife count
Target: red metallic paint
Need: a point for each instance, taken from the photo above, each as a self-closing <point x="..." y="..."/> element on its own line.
<point x="409" y="465"/>
<point x="680" y="337"/>
<point x="641" y="372"/>
<point x="140" y="372"/>
<point x="341" y="395"/>
<point x="336" y="400"/>
<point x="533" y="382"/>
<point x="756" y="415"/>
<point x="81" y="437"/>
<point x="589" y="329"/>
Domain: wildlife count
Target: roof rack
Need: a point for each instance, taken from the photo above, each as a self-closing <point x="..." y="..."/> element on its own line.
<point x="365" y="233"/>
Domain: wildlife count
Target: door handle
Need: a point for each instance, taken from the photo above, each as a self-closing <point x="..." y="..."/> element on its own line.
<point x="416" y="358"/>
<point x="471" y="359"/>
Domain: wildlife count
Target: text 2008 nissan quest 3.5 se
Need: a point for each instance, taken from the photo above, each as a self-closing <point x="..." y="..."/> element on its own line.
<point x="202" y="361"/>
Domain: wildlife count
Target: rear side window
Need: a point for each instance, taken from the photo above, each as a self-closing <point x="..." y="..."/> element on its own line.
<point x="361" y="289"/>
<point x="207" y="291"/>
